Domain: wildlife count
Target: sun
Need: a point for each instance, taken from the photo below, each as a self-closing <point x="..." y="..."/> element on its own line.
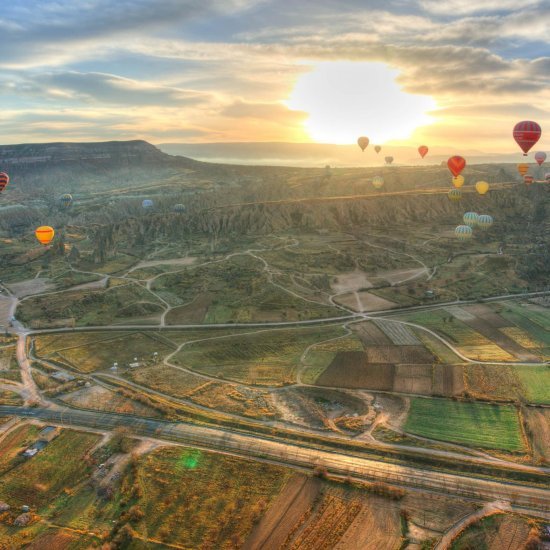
<point x="345" y="100"/>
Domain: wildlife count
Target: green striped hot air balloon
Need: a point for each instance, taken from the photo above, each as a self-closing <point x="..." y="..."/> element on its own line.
<point x="455" y="194"/>
<point x="463" y="232"/>
<point x="484" y="221"/>
<point x="470" y="218"/>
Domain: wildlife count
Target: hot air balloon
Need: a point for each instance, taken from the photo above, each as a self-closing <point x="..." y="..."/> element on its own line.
<point x="463" y="232"/>
<point x="455" y="194"/>
<point x="526" y="134"/>
<point x="45" y="234"/>
<point x="377" y="182"/>
<point x="547" y="177"/>
<point x="528" y="179"/>
<point x="179" y="208"/>
<point x="470" y="218"/>
<point x="456" y="164"/>
<point x="328" y="171"/>
<point x="484" y="221"/>
<point x="363" y="142"/>
<point x="4" y="180"/>
<point x="482" y="187"/>
<point x="523" y="168"/>
<point x="423" y="150"/>
<point x="66" y="200"/>
<point x="378" y="148"/>
<point x="540" y="157"/>
<point x="147" y="203"/>
<point x="458" y="181"/>
<point x="388" y="160"/>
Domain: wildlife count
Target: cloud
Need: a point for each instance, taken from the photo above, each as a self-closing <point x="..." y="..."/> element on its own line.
<point x="463" y="7"/>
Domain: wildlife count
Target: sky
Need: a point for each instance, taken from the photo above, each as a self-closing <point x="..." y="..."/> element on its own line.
<point x="450" y="73"/>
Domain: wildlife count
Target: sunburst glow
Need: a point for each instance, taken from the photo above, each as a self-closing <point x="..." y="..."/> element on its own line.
<point x="347" y="99"/>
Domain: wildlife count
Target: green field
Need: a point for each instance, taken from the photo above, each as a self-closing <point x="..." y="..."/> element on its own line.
<point x="536" y="383"/>
<point x="474" y="424"/>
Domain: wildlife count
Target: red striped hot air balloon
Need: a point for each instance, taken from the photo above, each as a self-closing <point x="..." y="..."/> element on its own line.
<point x="45" y="234"/>
<point x="456" y="164"/>
<point x="4" y="180"/>
<point x="526" y="134"/>
<point x="423" y="150"/>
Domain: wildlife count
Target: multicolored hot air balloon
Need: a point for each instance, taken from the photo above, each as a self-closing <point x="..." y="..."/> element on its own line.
<point x="363" y="142"/>
<point x="377" y="182"/>
<point x="458" y="181"/>
<point x="523" y="168"/>
<point x="526" y="134"/>
<point x="528" y="179"/>
<point x="470" y="219"/>
<point x="463" y="232"/>
<point x="4" y="180"/>
<point x="179" y="208"/>
<point x="66" y="200"/>
<point x="540" y="157"/>
<point x="378" y="148"/>
<point x="423" y="150"/>
<point x="147" y="204"/>
<point x="388" y="160"/>
<point x="482" y="187"/>
<point x="484" y="221"/>
<point x="45" y="234"/>
<point x="455" y="194"/>
<point x="456" y="164"/>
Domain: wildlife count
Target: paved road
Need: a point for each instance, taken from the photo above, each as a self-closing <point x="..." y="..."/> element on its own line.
<point x="532" y="499"/>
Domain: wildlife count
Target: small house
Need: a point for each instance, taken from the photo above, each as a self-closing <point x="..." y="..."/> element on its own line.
<point x="4" y="506"/>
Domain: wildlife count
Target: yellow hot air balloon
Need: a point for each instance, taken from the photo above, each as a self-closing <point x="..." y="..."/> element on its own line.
<point x="458" y="181"/>
<point x="523" y="168"/>
<point x="378" y="182"/>
<point x="482" y="187"/>
<point x="45" y="234"/>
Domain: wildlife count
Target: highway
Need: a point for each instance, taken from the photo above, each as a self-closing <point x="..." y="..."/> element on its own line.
<point x="533" y="500"/>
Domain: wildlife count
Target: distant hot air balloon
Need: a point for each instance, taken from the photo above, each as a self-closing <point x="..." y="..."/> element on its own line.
<point x="528" y="179"/>
<point x="456" y="164"/>
<point x="423" y="150"/>
<point x="363" y="142"/>
<point x="179" y="208"/>
<point x="147" y="203"/>
<point x="484" y="221"/>
<point x="526" y="134"/>
<point x="66" y="200"/>
<point x="458" y="181"/>
<point x="45" y="234"/>
<point x="328" y="171"/>
<point x="523" y="168"/>
<point x="463" y="232"/>
<point x="482" y="187"/>
<point x="470" y="218"/>
<point x="547" y="177"/>
<point x="540" y="157"/>
<point x="4" y="180"/>
<point x="378" y="148"/>
<point x="455" y="194"/>
<point x="388" y="160"/>
<point x="377" y="182"/>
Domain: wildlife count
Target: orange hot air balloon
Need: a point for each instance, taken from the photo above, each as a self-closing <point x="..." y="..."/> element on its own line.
<point x="458" y="181"/>
<point x="526" y="134"/>
<point x="523" y="168"/>
<point x="456" y="164"/>
<point x="4" y="180"/>
<point x="378" y="148"/>
<point x="423" y="150"/>
<point x="45" y="234"/>
<point x="363" y="142"/>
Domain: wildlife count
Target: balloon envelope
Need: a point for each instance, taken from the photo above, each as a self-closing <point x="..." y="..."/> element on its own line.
<point x="540" y="157"/>
<point x="45" y="234"/>
<point x="482" y="187"/>
<point x="484" y="221"/>
<point x="179" y="208"/>
<point x="4" y="180"/>
<point x="147" y="203"/>
<point x="463" y="232"/>
<point x="66" y="199"/>
<point x="455" y="194"/>
<point x="528" y="180"/>
<point x="547" y="177"/>
<point x="378" y="181"/>
<point x="388" y="160"/>
<point x="363" y="142"/>
<point x="523" y="168"/>
<point x="458" y="181"/>
<point x="377" y="148"/>
<point x="470" y="219"/>
<point x="456" y="164"/>
<point x="526" y="133"/>
<point x="423" y="150"/>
